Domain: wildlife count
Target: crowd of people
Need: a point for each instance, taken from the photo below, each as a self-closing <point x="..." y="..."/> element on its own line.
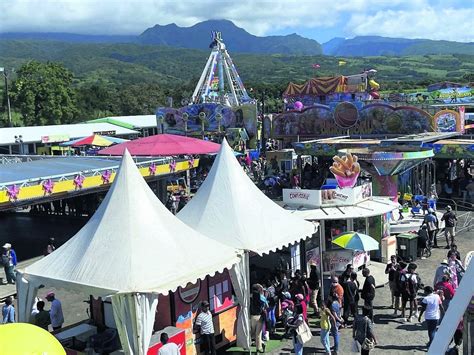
<point x="286" y="301"/>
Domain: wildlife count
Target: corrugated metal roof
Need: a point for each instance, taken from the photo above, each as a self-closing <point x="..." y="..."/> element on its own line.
<point x="33" y="134"/>
<point x="140" y="121"/>
<point x="52" y="167"/>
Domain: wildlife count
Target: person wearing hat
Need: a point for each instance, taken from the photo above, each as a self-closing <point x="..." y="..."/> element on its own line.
<point x="205" y="327"/>
<point x="9" y="262"/>
<point x="56" y="312"/>
<point x="441" y="270"/>
<point x="449" y="219"/>
<point x="431" y="221"/>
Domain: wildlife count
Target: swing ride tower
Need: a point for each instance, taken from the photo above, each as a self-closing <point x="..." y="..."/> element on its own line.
<point x="219" y="81"/>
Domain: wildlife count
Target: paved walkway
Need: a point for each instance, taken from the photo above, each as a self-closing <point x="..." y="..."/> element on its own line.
<point x="8" y="289"/>
<point x="394" y="335"/>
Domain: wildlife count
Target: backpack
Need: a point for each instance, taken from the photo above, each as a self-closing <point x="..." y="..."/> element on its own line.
<point x="5" y="260"/>
<point x="408" y="284"/>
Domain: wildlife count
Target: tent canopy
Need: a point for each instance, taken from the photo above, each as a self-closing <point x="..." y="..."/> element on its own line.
<point x="131" y="244"/>
<point x="163" y="145"/>
<point x="228" y="207"/>
<point x="95" y="139"/>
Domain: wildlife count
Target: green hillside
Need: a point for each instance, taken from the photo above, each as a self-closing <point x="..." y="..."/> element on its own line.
<point x="134" y="70"/>
<point x="131" y="63"/>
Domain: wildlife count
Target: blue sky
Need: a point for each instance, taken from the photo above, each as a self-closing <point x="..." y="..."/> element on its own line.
<point x="317" y="19"/>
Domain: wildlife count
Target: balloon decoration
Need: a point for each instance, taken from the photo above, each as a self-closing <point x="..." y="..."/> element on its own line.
<point x="298" y="105"/>
<point x="346" y="170"/>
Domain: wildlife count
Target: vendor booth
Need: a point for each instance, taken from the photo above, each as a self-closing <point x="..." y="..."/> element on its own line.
<point x="229" y="208"/>
<point x="132" y="253"/>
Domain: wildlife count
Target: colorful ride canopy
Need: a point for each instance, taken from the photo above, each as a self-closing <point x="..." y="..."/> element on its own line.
<point x="163" y="145"/>
<point x="350" y="118"/>
<point x="209" y="118"/>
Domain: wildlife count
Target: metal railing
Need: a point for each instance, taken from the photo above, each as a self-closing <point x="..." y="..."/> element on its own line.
<point x="464" y="212"/>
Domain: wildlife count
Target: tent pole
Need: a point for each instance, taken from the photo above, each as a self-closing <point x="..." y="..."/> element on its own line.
<point x="321" y="271"/>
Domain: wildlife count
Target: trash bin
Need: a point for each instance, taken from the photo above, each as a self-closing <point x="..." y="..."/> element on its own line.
<point x="407" y="246"/>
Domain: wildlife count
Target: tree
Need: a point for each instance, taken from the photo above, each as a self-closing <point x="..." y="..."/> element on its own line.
<point x="43" y="93"/>
<point x="141" y="99"/>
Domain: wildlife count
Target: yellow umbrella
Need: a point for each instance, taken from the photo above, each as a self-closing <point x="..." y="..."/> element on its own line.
<point x="28" y="339"/>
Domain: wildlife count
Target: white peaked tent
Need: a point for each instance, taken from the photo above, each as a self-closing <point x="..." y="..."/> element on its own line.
<point x="132" y="248"/>
<point x="229" y="208"/>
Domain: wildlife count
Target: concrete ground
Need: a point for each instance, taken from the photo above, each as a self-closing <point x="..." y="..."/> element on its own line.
<point x="393" y="334"/>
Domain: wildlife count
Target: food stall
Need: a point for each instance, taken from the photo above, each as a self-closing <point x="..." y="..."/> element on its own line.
<point x="343" y="209"/>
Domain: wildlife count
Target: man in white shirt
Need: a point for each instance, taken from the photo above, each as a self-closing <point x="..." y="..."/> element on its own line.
<point x="432" y="305"/>
<point x="167" y="348"/>
<point x="56" y="312"/>
<point x="204" y="325"/>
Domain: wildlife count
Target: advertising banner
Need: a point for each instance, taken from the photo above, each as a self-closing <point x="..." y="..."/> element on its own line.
<point x="300" y="197"/>
<point x="337" y="260"/>
<point x="55" y="138"/>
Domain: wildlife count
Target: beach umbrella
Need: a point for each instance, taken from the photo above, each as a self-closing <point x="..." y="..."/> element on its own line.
<point x="356" y="241"/>
<point x="24" y="338"/>
<point x="97" y="140"/>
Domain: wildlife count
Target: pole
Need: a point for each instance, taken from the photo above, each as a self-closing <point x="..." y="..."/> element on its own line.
<point x="263" y="139"/>
<point x="8" y="98"/>
<point x="321" y="271"/>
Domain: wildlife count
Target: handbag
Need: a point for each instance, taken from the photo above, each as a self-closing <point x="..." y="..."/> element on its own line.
<point x="303" y="333"/>
<point x="368" y="344"/>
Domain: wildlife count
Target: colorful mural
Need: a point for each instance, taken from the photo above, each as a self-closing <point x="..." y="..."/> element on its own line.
<point x="378" y="118"/>
<point x="214" y="116"/>
<point x="447" y="121"/>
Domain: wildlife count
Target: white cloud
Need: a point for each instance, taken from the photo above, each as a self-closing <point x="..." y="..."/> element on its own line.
<point x="447" y="24"/>
<point x="383" y="17"/>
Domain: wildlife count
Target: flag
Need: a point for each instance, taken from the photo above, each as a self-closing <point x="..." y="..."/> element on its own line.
<point x="315" y="66"/>
<point x="342" y="62"/>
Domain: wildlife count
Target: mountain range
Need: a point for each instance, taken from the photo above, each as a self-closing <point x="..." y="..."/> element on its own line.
<point x="239" y="40"/>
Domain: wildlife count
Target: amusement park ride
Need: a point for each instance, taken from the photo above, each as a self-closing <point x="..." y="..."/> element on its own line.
<point x="220" y="70"/>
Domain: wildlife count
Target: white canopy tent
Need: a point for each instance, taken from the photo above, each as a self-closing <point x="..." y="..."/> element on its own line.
<point x="229" y="208"/>
<point x="132" y="248"/>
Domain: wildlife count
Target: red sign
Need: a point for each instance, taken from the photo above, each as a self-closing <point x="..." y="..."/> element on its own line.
<point x="178" y="339"/>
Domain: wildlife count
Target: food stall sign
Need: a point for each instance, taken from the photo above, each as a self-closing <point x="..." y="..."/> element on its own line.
<point x="105" y="133"/>
<point x="189" y="293"/>
<point x="301" y="197"/>
<point x="55" y="138"/>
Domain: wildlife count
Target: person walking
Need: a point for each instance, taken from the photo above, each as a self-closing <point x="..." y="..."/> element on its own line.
<point x="336" y="320"/>
<point x="391" y="270"/>
<point x="449" y="219"/>
<point x="8" y="311"/>
<point x="325" y="323"/>
<point x="56" y="312"/>
<point x="448" y="291"/>
<point x="293" y="323"/>
<point x="351" y="297"/>
<point x="314" y="285"/>
<point x="258" y="308"/>
<point x="432" y="305"/>
<point x="363" y="332"/>
<point x="167" y="348"/>
<point x="9" y="261"/>
<point x="42" y="319"/>
<point x="432" y="223"/>
<point x="368" y="293"/>
<point x="409" y="287"/>
<point x="205" y="327"/>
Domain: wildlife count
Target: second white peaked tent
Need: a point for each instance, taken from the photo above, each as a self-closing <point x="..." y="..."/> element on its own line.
<point x="132" y="248"/>
<point x="229" y="208"/>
